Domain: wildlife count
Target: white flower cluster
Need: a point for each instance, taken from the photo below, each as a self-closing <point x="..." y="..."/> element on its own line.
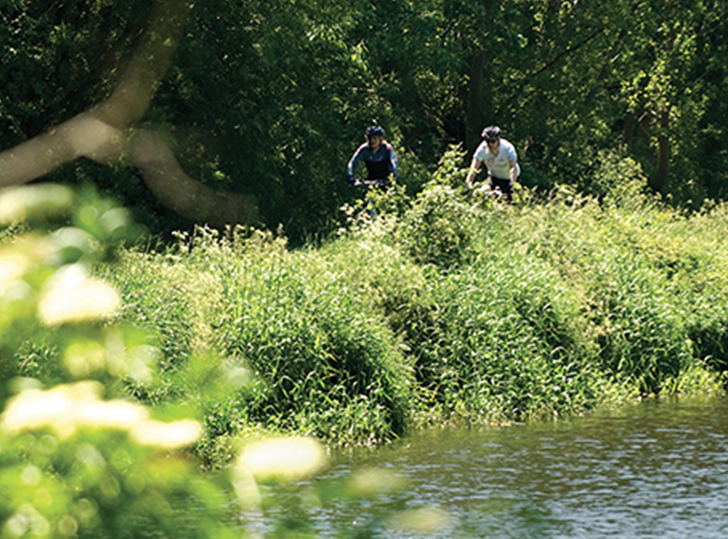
<point x="68" y="408"/>
<point x="280" y="458"/>
<point x="71" y="295"/>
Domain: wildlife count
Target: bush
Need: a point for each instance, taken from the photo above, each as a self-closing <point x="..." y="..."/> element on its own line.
<point x="440" y="225"/>
<point x="325" y="363"/>
<point x="641" y="332"/>
<point x="622" y="261"/>
<point x="509" y="343"/>
<point x="76" y="461"/>
<point x="618" y="180"/>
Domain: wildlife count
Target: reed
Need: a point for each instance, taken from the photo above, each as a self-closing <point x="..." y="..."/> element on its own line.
<point x="539" y="309"/>
<point x="323" y="359"/>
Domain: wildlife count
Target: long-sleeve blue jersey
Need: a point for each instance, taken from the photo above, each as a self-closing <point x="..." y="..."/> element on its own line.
<point x="380" y="164"/>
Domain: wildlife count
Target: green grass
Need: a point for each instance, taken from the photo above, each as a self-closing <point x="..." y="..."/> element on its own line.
<point x="448" y="311"/>
<point x="323" y="359"/>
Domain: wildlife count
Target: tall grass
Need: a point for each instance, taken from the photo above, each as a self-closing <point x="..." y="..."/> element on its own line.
<point x="509" y="343"/>
<point x="324" y="359"/>
<point x="446" y="309"/>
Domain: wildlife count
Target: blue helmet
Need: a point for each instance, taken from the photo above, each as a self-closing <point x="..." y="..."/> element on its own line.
<point x="375" y="131"/>
<point x="491" y="132"/>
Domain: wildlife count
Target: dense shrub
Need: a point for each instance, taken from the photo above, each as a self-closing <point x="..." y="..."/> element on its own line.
<point x="79" y="458"/>
<point x="440" y="225"/>
<point x="437" y="308"/>
<point x="509" y="345"/>
<point x="629" y="263"/>
<point x="325" y="361"/>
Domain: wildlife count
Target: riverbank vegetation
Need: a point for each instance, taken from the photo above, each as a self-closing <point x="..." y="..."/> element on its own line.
<point x="355" y="322"/>
<point x="447" y="308"/>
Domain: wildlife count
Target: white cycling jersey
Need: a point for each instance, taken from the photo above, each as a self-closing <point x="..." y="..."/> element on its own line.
<point x="499" y="165"/>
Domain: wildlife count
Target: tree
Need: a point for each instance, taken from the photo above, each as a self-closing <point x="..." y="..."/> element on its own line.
<point x="107" y="132"/>
<point x="253" y="112"/>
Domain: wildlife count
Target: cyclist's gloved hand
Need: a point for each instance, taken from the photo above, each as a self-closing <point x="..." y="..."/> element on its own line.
<point x="350" y="180"/>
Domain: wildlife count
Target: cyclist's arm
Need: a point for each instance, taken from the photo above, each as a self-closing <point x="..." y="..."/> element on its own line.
<point x="354" y="161"/>
<point x="393" y="163"/>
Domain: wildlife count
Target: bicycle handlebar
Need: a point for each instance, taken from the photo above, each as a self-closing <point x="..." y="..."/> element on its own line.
<point x="358" y="182"/>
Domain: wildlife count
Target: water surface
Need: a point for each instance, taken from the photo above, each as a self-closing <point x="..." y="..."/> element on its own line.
<point x="658" y="469"/>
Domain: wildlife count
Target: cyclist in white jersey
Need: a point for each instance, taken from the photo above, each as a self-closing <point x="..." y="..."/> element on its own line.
<point x="501" y="160"/>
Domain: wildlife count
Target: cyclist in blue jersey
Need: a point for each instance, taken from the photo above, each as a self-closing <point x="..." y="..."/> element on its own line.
<point x="379" y="158"/>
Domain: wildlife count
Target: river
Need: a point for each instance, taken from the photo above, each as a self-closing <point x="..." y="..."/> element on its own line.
<point x="658" y="469"/>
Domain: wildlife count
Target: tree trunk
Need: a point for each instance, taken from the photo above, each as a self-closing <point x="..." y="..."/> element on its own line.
<point x="479" y="106"/>
<point x="474" y="122"/>
<point x="663" y="152"/>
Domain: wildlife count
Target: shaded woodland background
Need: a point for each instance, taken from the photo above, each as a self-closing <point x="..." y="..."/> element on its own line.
<point x="261" y="103"/>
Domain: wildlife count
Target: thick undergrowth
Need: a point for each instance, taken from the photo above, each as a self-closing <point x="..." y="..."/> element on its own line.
<point x="443" y="309"/>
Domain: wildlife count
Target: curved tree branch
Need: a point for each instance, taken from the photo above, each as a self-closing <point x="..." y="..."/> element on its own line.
<point x="106" y="134"/>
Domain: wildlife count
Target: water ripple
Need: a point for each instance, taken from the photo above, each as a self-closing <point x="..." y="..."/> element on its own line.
<point x="655" y="470"/>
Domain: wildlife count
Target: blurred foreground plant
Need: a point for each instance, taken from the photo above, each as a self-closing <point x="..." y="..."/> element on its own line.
<point x="73" y="463"/>
<point x="79" y="457"/>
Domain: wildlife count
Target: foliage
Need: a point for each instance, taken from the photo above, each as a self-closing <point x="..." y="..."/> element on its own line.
<point x="78" y="458"/>
<point x="549" y="308"/>
<point x="82" y="457"/>
<point x="552" y="307"/>
<point x="82" y="466"/>
<point x="440" y="225"/>
<point x="618" y="181"/>
<point x="322" y="365"/>
<point x="623" y="261"/>
<point x="270" y="99"/>
<point x="509" y="344"/>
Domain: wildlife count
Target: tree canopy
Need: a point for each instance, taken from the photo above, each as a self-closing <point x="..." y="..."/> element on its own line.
<point x="244" y="110"/>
